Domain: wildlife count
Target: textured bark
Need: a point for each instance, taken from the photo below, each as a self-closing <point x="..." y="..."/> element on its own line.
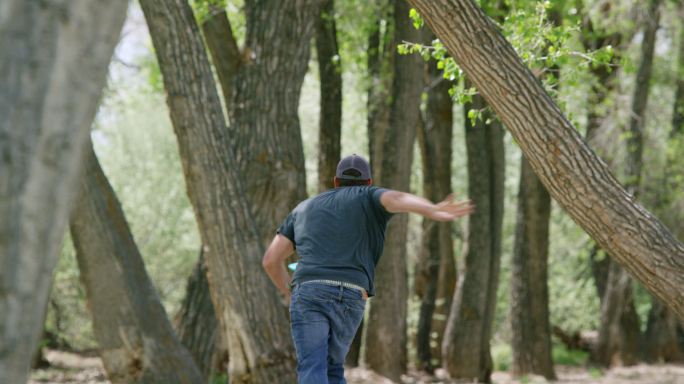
<point x="264" y="116"/>
<point x="53" y="66"/>
<point x="435" y="267"/>
<point x="247" y="304"/>
<point x="136" y="341"/>
<point x="330" y="74"/>
<point x="558" y="155"/>
<point x="531" y="333"/>
<point x="225" y="54"/>
<point x="465" y="349"/>
<point x="197" y="326"/>
<point x="619" y="319"/>
<point x="386" y="329"/>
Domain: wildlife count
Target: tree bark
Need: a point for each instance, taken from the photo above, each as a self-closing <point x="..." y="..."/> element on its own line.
<point x="386" y="328"/>
<point x="223" y="48"/>
<point x="197" y="326"/>
<point x="330" y="74"/>
<point x="264" y="116"/>
<point x="574" y="176"/>
<point x="136" y="341"/>
<point x="465" y="349"/>
<point x="531" y="333"/>
<point x="248" y="307"/>
<point x="53" y="66"/>
<point x="436" y="267"/>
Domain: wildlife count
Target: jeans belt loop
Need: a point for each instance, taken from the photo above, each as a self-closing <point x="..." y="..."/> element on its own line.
<point x="337" y="283"/>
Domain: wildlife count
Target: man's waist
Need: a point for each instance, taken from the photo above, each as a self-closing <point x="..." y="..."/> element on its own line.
<point x="336" y="283"/>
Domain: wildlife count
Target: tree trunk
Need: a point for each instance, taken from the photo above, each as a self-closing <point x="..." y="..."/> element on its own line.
<point x="222" y="46"/>
<point x="436" y="267"/>
<point x="531" y="333"/>
<point x="574" y="176"/>
<point x="264" y="118"/>
<point x="53" y="66"/>
<point x="386" y="328"/>
<point x="381" y="56"/>
<point x="246" y="302"/>
<point x="661" y="340"/>
<point x="465" y="349"/>
<point x="330" y="74"/>
<point x="380" y="73"/>
<point x="136" y="341"/>
<point x="620" y="320"/>
<point x="197" y="326"/>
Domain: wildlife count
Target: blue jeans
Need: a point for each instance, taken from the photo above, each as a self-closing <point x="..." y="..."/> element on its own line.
<point x="324" y="321"/>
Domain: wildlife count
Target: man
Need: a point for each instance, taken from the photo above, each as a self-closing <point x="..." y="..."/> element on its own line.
<point x="339" y="236"/>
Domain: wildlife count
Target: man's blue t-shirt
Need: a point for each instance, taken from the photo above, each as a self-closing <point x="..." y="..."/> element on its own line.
<point x="339" y="235"/>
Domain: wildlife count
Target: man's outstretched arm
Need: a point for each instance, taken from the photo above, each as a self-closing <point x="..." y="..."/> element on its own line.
<point x="447" y="210"/>
<point x="274" y="263"/>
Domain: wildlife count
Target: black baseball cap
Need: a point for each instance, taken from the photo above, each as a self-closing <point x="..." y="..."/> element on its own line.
<point x="353" y="167"/>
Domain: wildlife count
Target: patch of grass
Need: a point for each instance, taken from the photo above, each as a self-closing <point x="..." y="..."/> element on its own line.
<point x="595" y="373"/>
<point x="502" y="357"/>
<point x="219" y="379"/>
<point x="562" y="355"/>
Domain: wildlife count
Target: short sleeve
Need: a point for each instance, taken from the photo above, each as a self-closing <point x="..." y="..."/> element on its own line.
<point x="375" y="197"/>
<point x="287" y="228"/>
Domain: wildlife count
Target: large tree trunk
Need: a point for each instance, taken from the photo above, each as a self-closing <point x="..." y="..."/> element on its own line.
<point x="465" y="349"/>
<point x="330" y="75"/>
<point x="197" y="326"/>
<point x="264" y="117"/>
<point x="386" y="328"/>
<point x="248" y="307"/>
<point x="436" y="266"/>
<point x="53" y="65"/>
<point x="136" y="341"/>
<point x="531" y="332"/>
<point x="574" y="176"/>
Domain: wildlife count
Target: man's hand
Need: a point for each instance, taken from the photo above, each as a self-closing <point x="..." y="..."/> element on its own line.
<point x="449" y="210"/>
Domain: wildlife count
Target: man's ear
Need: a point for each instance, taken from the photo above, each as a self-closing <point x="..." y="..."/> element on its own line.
<point x="336" y="182"/>
<point x="370" y="181"/>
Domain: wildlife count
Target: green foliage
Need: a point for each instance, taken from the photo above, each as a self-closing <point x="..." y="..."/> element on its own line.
<point x="564" y="356"/>
<point x="502" y="356"/>
<point x="219" y="379"/>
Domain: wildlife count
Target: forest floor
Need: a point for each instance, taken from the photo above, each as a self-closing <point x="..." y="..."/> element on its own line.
<point x="73" y="368"/>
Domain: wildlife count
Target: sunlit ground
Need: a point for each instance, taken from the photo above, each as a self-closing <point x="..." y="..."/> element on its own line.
<point x="78" y="369"/>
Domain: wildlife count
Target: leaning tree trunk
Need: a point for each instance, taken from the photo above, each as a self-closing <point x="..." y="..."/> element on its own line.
<point x="618" y="339"/>
<point x="136" y="341"/>
<point x="531" y="332"/>
<point x="436" y="266"/>
<point x="465" y="348"/>
<point x="247" y="304"/>
<point x="574" y="176"/>
<point x="53" y="66"/>
<point x="386" y="328"/>
<point x="197" y="326"/>
<point x="330" y="75"/>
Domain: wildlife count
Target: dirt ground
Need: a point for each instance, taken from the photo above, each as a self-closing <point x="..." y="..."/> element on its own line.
<point x="77" y="369"/>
